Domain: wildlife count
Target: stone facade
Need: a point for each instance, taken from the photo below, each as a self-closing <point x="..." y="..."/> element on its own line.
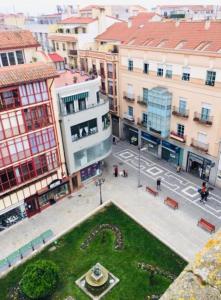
<point x="200" y="280"/>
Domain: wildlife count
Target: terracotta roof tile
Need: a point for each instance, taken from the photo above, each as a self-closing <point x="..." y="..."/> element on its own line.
<point x="172" y="33"/>
<point x="62" y="38"/>
<point x="77" y="20"/>
<point x="15" y="75"/>
<point x="121" y="32"/>
<point x="17" y="39"/>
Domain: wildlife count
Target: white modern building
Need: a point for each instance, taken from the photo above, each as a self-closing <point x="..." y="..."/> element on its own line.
<point x="85" y="125"/>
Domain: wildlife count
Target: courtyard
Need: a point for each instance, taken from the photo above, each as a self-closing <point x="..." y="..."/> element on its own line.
<point x="143" y="264"/>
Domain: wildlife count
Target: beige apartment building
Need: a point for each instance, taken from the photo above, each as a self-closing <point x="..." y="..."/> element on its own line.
<point x="104" y="60"/>
<point x="170" y="94"/>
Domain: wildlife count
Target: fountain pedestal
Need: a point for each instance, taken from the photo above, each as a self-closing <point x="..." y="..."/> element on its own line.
<point x="97" y="282"/>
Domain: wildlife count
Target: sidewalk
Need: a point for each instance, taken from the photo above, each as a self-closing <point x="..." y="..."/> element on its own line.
<point x="177" y="228"/>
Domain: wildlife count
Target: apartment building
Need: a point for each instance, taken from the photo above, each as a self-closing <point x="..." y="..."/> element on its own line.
<point x="122" y="12"/>
<point x="32" y="169"/>
<point x="193" y="12"/>
<point x="85" y="125"/>
<point x="103" y="60"/>
<point x="78" y="33"/>
<point x="169" y="86"/>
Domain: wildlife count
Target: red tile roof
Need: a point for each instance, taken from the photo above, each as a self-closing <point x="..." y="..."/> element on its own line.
<point x="62" y="38"/>
<point x="121" y="32"/>
<point x="19" y="74"/>
<point x="172" y="34"/>
<point x="55" y="57"/>
<point x="17" y="39"/>
<point x="77" y="20"/>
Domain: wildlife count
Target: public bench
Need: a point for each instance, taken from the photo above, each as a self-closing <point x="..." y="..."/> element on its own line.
<point x="46" y="235"/>
<point x="151" y="191"/>
<point x="170" y="202"/>
<point x="206" y="225"/>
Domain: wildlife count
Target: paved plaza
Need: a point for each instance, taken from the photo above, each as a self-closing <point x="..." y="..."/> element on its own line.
<point x="176" y="228"/>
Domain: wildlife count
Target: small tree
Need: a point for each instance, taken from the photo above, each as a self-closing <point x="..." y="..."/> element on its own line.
<point x="39" y="279"/>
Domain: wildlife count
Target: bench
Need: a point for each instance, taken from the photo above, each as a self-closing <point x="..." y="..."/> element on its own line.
<point x="206" y="225"/>
<point x="47" y="235"/>
<point x="151" y="191"/>
<point x="170" y="202"/>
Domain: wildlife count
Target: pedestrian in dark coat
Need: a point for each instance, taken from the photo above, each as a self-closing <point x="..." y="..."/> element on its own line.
<point x="158" y="184"/>
<point x="116" y="171"/>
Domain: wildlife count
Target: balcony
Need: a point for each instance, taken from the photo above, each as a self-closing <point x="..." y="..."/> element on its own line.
<point x="175" y="136"/>
<point x="72" y="52"/>
<point x="142" y="123"/>
<point x="142" y="101"/>
<point x="199" y="145"/>
<point x="178" y="112"/>
<point x="113" y="108"/>
<point x="129" y="97"/>
<point x="128" y="117"/>
<point x="203" y="119"/>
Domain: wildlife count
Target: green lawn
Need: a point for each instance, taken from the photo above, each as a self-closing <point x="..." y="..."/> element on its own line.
<point x="139" y="246"/>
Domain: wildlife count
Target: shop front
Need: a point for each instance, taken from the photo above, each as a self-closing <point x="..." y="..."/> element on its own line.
<point x="150" y="142"/>
<point x="115" y="125"/>
<point x="11" y="217"/>
<point x="199" y="166"/>
<point x="91" y="171"/>
<point x="131" y="134"/>
<point x="172" y="153"/>
<point x="56" y="190"/>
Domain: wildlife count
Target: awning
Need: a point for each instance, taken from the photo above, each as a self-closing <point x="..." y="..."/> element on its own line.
<point x="150" y="141"/>
<point x="75" y="97"/>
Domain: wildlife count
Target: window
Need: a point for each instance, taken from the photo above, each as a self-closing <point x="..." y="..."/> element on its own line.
<point x="106" y="121"/>
<point x="76" y="30"/>
<point x="182" y="106"/>
<point x="83" y="129"/>
<point x="144" y="118"/>
<point x="98" y="97"/>
<point x="169" y="72"/>
<point x="145" y="95"/>
<point x="9" y="100"/>
<point x="110" y="70"/>
<point x="180" y="130"/>
<point x="210" y="78"/>
<point x="33" y="93"/>
<point x="130" y="65"/>
<point x="110" y="87"/>
<point x="130" y="111"/>
<point x="11" y="57"/>
<point x="146" y="68"/>
<point x="57" y="46"/>
<point x="186" y="74"/>
<point x="20" y="58"/>
<point x="4" y="59"/>
<point x="82" y="104"/>
<point x="160" y="70"/>
<point x="63" y="46"/>
<point x="205" y="113"/>
<point x="84" y="30"/>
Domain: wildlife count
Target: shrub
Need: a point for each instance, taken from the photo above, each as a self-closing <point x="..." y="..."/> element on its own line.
<point x="39" y="279"/>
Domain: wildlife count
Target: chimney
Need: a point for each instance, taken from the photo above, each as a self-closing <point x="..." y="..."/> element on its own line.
<point x="207" y="25"/>
<point x="129" y="23"/>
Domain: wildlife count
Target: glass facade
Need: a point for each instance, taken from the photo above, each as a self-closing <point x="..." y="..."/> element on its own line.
<point x="87" y="156"/>
<point x="91" y="171"/>
<point x="54" y="194"/>
<point x="159" y="111"/>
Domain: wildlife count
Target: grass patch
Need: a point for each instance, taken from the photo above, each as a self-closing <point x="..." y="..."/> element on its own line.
<point x="73" y="262"/>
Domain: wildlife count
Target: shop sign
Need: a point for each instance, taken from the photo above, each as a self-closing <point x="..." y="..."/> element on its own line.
<point x="54" y="183"/>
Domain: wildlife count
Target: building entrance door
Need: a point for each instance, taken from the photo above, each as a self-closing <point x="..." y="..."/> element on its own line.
<point x="75" y="182"/>
<point x="32" y="206"/>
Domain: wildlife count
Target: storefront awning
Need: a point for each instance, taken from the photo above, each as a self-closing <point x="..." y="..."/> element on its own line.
<point x="75" y="97"/>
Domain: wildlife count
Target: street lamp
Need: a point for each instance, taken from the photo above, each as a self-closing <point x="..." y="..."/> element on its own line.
<point x="140" y="149"/>
<point x="99" y="183"/>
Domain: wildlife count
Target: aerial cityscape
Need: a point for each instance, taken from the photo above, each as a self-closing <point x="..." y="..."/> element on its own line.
<point x="110" y="150"/>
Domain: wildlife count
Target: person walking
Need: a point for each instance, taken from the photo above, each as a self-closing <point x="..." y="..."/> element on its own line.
<point x="158" y="184"/>
<point x="203" y="192"/>
<point x="116" y="171"/>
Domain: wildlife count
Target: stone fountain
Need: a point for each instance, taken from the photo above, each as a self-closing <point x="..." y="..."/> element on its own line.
<point x="97" y="282"/>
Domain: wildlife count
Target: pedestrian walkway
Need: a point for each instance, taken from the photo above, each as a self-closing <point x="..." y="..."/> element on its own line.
<point x="178" y="229"/>
<point x="180" y="185"/>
